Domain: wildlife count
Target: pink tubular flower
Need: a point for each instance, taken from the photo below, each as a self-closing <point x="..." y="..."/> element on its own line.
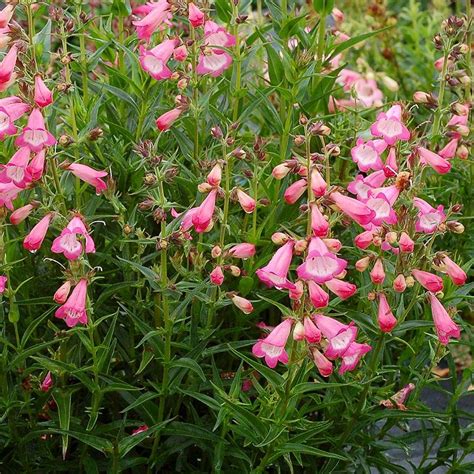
<point x="272" y="348"/>
<point x="202" y="218"/>
<point x="318" y="185"/>
<point x="429" y="218"/>
<point x="140" y="429"/>
<point x="47" y="383"/>
<point x="154" y="61"/>
<point x="362" y="185"/>
<point x="247" y="203"/>
<point x="454" y="271"/>
<point x="274" y="274"/>
<point x="295" y="191"/>
<point x="62" y="293"/>
<point x="16" y="170"/>
<point x="164" y="121"/>
<point x="389" y="126"/>
<point x="43" y="96"/>
<point x="405" y="243"/>
<point x="385" y="317"/>
<point x="243" y="250"/>
<point x="6" y="15"/>
<point x="36" y="236"/>
<point x="196" y="16"/>
<point x="445" y="326"/>
<point x="340" y="336"/>
<point x="68" y="244"/>
<point x="377" y="274"/>
<point x="153" y="20"/>
<point x="352" y="356"/>
<point x="323" y="365"/>
<point x="400" y="284"/>
<point x="390" y="168"/>
<point x="382" y="208"/>
<point x="428" y="280"/>
<point x="311" y="333"/>
<point x="3" y="283"/>
<point x="74" y="310"/>
<point x="7" y="67"/>
<point x="217" y="276"/>
<point x="243" y="304"/>
<point x="367" y="155"/>
<point x="8" y="192"/>
<point x="36" y="166"/>
<point x="34" y="135"/>
<point x="180" y="53"/>
<point x="215" y="176"/>
<point x="297" y="292"/>
<point x="356" y="210"/>
<point x="319" y="224"/>
<point x="449" y="150"/>
<point x="364" y="239"/>
<point x="89" y="175"/>
<point x="368" y="93"/>
<point x="333" y="245"/>
<point x="20" y="214"/>
<point x="11" y="109"/>
<point x="342" y="289"/>
<point x="319" y="298"/>
<point x="398" y="399"/>
<point x="439" y="164"/>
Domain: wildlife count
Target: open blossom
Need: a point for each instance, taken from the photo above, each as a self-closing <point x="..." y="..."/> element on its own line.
<point x="89" y="175"/>
<point x="242" y="303"/>
<point x="454" y="271"/>
<point x="429" y="218"/>
<point x="247" y="203"/>
<point x="356" y="210"/>
<point x="340" y="336"/>
<point x="352" y="356"/>
<point x="68" y="243"/>
<point x="342" y="289"/>
<point x="36" y="236"/>
<point x="385" y="317"/>
<point x="20" y="214"/>
<point x="428" y="280"/>
<point x="16" y="170"/>
<point x="62" y="293"/>
<point x="389" y="126"/>
<point x="196" y="16"/>
<point x="274" y="274"/>
<point x="8" y="193"/>
<point x="243" y="250"/>
<point x="445" y="326"/>
<point x="382" y="208"/>
<point x="361" y="185"/>
<point x="11" y="109"/>
<point x="34" y="135"/>
<point x="295" y="191"/>
<point x="323" y="364"/>
<point x="154" y="61"/>
<point x="153" y="19"/>
<point x="164" y="121"/>
<point x="439" y="164"/>
<point x="6" y="15"/>
<point x="367" y="154"/>
<point x="43" y="96"/>
<point x="73" y="311"/>
<point x="202" y="217"/>
<point x="272" y="347"/>
<point x="217" y="276"/>
<point x="47" y="383"/>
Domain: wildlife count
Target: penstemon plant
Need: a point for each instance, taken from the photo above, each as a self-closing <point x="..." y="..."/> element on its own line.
<point x="231" y="236"/>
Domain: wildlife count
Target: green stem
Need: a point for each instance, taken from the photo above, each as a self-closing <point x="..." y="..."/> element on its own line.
<point x="469" y="53"/>
<point x="308" y="187"/>
<point x="84" y="67"/>
<point x="194" y="54"/>
<point x="31" y="34"/>
<point x="238" y="64"/>
<point x="442" y="85"/>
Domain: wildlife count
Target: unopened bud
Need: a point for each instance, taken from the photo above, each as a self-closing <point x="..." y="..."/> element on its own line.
<point x="320" y="129"/>
<point x="95" y="134"/>
<point x="332" y="149"/>
<point x="127" y="229"/>
<point x="410" y="281"/>
<point x="455" y="227"/>
<point x="204" y="188"/>
<point x="457" y="208"/>
<point x="298" y="331"/>
<point x="279" y="238"/>
<point x="300" y="246"/>
<point x="182" y="83"/>
<point x="65" y="140"/>
<point x="362" y="264"/>
<point x="216" y="132"/>
<point x="372" y="295"/>
<point x="421" y="97"/>
<point x="239" y="154"/>
<point x="462" y="152"/>
<point x="299" y="140"/>
<point x="146" y="205"/>
<point x="390" y="84"/>
<point x="391" y="237"/>
<point x="149" y="179"/>
<point x="303" y="119"/>
<point x="234" y="270"/>
<point x="459" y="109"/>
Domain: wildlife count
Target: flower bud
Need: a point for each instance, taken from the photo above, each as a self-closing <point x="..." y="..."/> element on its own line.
<point x="462" y="152"/>
<point x="333" y="245"/>
<point x="391" y="237"/>
<point x="235" y="270"/>
<point x="280" y="171"/>
<point x="420" y="97"/>
<point x="399" y="284"/>
<point x="362" y="264"/>
<point x="146" y="205"/>
<point x="95" y="134"/>
<point x="455" y="227"/>
<point x="300" y="246"/>
<point x="410" y="281"/>
<point x="372" y="296"/>
<point x="298" y="331"/>
<point x="204" y="188"/>
<point x="216" y="251"/>
<point x="216" y="132"/>
<point x="460" y="109"/>
<point x="279" y="238"/>
<point x="299" y="140"/>
<point x="390" y="83"/>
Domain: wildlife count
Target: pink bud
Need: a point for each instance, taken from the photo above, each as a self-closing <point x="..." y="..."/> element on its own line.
<point x="362" y="264"/>
<point x="295" y="191"/>
<point x="247" y="203"/>
<point x="340" y="288"/>
<point x="297" y="292"/>
<point x="319" y="224"/>
<point x="217" y="276"/>
<point x="36" y="236"/>
<point x="333" y="245"/>
<point x="377" y="275"/>
<point x="319" y="298"/>
<point x="243" y="250"/>
<point x="445" y="326"/>
<point x="180" y="53"/>
<point x="311" y="333"/>
<point x="20" y="214"/>
<point x="323" y="365"/>
<point x="214" y="177"/>
<point x="386" y="319"/>
<point x="298" y="331"/>
<point x="243" y="304"/>
<point x="428" y="280"/>
<point x="196" y="16"/>
<point x="405" y="243"/>
<point x="280" y="171"/>
<point x="47" y="383"/>
<point x="399" y="284"/>
<point x="454" y="271"/>
<point x="3" y="283"/>
<point x="43" y="96"/>
<point x="165" y="121"/>
<point x="279" y="238"/>
<point x="62" y="292"/>
<point x="364" y="239"/>
<point x="318" y="185"/>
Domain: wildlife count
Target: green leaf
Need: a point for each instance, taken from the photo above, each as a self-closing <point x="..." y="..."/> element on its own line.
<point x="63" y="401"/>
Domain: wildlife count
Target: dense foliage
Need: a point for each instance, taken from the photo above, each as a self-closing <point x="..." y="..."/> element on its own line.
<point x="234" y="236"/>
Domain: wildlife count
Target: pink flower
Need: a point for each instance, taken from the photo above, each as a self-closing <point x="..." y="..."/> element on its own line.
<point x="364" y="239"/>
<point x="154" y="61"/>
<point x="164" y="121"/>
<point x="140" y="429"/>
<point x="213" y="63"/>
<point x="340" y="336"/>
<point x="62" y="293"/>
<point x="323" y="365"/>
<point x="356" y="210"/>
<point x="405" y="243"/>
<point x="272" y="348"/>
<point x="180" y="53"/>
<point x="68" y="244"/>
<point x="43" y="96"/>
<point x="153" y="20"/>
<point x="20" y="214"/>
<point x="36" y="236"/>
<point x="8" y="192"/>
<point x="445" y="326"/>
<point x="385" y="317"/>
<point x="319" y="298"/>
<point x="6" y="15"/>
<point x="311" y="333"/>
<point x="295" y="191"/>
<point x="454" y="271"/>
<point x="399" y="398"/>
<point x="280" y="171"/>
<point x="215" y="176"/>
<point x="342" y="289"/>
<point x="380" y="205"/>
<point x="297" y="292"/>
<point x="439" y="164"/>
<point x="16" y="170"/>
<point x="449" y="150"/>
<point x="390" y="168"/>
<point x="333" y="245"/>
<point x="242" y="303"/>
<point x="36" y="166"/>
<point x="7" y="67"/>
<point x="217" y="276"/>
<point x="74" y="310"/>
<point x="429" y="218"/>
<point x="400" y="284"/>
<point x="202" y="218"/>
<point x="318" y="185"/>
<point x="89" y="175"/>
<point x="196" y="16"/>
<point x="3" y="283"/>
<point x="368" y="93"/>
<point x="34" y="135"/>
<point x="247" y="203"/>
<point x="243" y="250"/>
<point x="362" y="185"/>
<point x="428" y="280"/>
<point x="47" y="383"/>
<point x="389" y="126"/>
<point x="274" y="274"/>
<point x="377" y="275"/>
<point x="367" y="155"/>
<point x="11" y="109"/>
<point x="319" y="224"/>
<point x="352" y="356"/>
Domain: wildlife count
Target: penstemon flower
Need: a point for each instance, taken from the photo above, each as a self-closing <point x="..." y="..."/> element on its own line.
<point x="73" y="311"/>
